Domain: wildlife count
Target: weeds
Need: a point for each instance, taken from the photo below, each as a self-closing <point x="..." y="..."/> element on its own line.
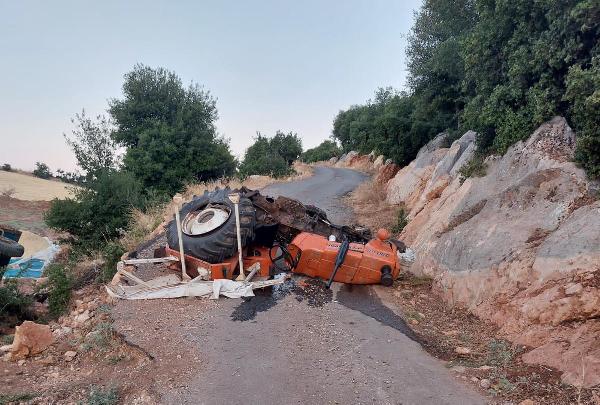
<point x="8" y="191"/>
<point x="7" y="339"/>
<point x="500" y="353"/>
<point x="99" y="338"/>
<point x="476" y="167"/>
<point x="59" y="289"/>
<point x="16" y="398"/>
<point x="112" y="360"/>
<point x="401" y="221"/>
<point x="103" y="396"/>
<point x="414" y="281"/>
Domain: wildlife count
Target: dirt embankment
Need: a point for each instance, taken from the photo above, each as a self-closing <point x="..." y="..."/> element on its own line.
<point x="518" y="247"/>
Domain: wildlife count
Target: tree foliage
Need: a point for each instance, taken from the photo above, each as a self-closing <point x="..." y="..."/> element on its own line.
<point x="500" y="67"/>
<point x="42" y="170"/>
<point x="324" y="151"/>
<point x="92" y="144"/>
<point x="272" y="156"/>
<point x="520" y="58"/>
<point x="389" y="124"/>
<point x="168" y="131"/>
<point x="100" y="211"/>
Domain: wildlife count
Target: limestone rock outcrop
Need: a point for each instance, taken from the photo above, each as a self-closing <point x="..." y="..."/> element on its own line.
<point x="519" y="246"/>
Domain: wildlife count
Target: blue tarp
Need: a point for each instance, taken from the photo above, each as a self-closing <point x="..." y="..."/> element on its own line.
<point x="30" y="268"/>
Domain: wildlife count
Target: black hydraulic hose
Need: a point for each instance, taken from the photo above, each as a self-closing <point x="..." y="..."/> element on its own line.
<point x="339" y="260"/>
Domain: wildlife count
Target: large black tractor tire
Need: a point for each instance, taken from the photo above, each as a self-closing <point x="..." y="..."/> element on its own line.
<point x="220" y="243"/>
<point x="10" y="248"/>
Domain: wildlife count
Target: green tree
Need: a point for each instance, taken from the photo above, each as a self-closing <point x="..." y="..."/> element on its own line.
<point x="517" y="61"/>
<point x="92" y="144"/>
<point x="168" y="131"/>
<point x="263" y="158"/>
<point x="42" y="170"/>
<point x="435" y="63"/>
<point x="288" y="146"/>
<point x="324" y="151"/>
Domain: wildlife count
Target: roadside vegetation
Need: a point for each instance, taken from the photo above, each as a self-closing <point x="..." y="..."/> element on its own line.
<point x="499" y="68"/>
<point x="324" y="151"/>
<point x="272" y="156"/>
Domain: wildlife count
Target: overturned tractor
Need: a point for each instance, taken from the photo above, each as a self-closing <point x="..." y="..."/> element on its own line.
<point x="280" y="234"/>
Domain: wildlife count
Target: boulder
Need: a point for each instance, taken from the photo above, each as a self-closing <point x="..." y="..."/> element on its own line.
<point x="333" y="160"/>
<point x="346" y="158"/>
<point x="385" y="174"/>
<point x="30" y="339"/>
<point x="361" y="162"/>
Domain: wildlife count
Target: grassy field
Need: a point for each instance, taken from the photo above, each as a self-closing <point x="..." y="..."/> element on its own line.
<point x="29" y="188"/>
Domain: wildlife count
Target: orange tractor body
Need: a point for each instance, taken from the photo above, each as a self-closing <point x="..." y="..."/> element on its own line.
<point x="375" y="262"/>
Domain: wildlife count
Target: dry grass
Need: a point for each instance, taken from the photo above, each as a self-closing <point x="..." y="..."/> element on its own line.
<point x="30" y="188"/>
<point x="370" y="207"/>
<point x="8" y="191"/>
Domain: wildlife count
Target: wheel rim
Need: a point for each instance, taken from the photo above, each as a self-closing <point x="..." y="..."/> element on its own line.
<point x="201" y="222"/>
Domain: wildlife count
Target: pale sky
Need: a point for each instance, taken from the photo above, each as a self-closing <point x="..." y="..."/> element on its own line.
<point x="289" y="65"/>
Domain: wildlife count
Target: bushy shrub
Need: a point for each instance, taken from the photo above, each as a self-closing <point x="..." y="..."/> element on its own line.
<point x="111" y="253"/>
<point x="324" y="151"/>
<point x="100" y="211"/>
<point x="7" y="167"/>
<point x="42" y="170"/>
<point x="271" y="156"/>
<point x="14" y="305"/>
<point x="59" y="289"/>
<point x="476" y="167"/>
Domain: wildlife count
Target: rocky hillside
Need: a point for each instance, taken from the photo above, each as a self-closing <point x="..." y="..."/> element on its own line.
<point x="519" y="246"/>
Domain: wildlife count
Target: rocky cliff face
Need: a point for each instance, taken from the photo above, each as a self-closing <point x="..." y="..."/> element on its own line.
<point x="519" y="246"/>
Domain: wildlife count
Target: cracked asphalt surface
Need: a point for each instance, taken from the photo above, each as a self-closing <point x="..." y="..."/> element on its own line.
<point x="296" y="345"/>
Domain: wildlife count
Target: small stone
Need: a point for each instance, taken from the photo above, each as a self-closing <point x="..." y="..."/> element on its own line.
<point x="528" y="402"/>
<point x="462" y="350"/>
<point x="475" y="379"/>
<point x="413" y="322"/>
<point x="83" y="317"/>
<point x="5" y="348"/>
<point x="485" y="383"/>
<point x="450" y="332"/>
<point x="21" y="363"/>
<point x="70" y="355"/>
<point x="484" y="368"/>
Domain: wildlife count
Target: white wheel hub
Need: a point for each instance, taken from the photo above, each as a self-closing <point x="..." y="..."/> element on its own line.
<point x="201" y="222"/>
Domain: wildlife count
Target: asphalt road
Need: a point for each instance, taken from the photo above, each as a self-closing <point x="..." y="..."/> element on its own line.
<point x="298" y="344"/>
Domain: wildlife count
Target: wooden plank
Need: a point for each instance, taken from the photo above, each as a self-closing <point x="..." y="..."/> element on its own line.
<point x="156" y="260"/>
